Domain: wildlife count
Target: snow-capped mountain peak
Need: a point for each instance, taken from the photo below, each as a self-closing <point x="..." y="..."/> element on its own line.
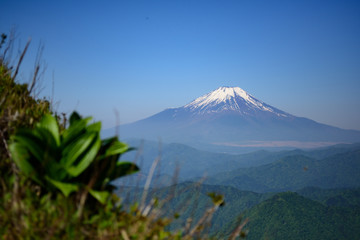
<point x="232" y="99"/>
<point x="220" y="95"/>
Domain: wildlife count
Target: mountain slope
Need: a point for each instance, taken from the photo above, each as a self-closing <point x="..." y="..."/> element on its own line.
<point x="191" y="200"/>
<point x="230" y="117"/>
<point x="333" y="197"/>
<point x="290" y="216"/>
<point x="308" y="214"/>
<point x="295" y="172"/>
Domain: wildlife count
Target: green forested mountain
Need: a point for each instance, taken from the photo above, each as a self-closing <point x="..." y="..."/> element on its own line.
<point x="291" y="216"/>
<point x="320" y="209"/>
<point x="311" y="213"/>
<point x="190" y="200"/>
<point x="333" y="197"/>
<point x="296" y="172"/>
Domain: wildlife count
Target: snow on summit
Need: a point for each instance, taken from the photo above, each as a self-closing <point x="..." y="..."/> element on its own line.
<point x="221" y="95"/>
<point x="230" y="99"/>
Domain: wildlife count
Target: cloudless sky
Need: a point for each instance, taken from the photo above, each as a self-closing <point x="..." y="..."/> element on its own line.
<point x="141" y="57"/>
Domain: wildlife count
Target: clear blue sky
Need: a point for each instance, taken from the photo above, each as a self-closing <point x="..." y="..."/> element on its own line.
<point x="140" y="57"/>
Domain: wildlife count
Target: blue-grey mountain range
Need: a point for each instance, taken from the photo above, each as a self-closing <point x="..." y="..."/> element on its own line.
<point x="230" y="117"/>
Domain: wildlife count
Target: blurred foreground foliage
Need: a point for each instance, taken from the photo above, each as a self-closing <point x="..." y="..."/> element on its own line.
<point x="55" y="176"/>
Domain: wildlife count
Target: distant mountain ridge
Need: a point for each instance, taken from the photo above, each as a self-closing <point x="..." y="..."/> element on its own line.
<point x="261" y="171"/>
<point x="294" y="172"/>
<point x="230" y="117"/>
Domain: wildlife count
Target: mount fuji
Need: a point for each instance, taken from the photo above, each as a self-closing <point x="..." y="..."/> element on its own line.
<point x="230" y="117"/>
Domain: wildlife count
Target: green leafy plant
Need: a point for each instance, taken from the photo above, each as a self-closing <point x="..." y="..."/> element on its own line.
<point x="75" y="160"/>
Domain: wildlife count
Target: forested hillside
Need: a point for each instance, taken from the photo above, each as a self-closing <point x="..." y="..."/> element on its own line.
<point x="291" y="216"/>
<point x="294" y="172"/>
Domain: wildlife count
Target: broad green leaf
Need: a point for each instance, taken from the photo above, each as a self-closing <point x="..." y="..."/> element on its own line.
<point x="65" y="188"/>
<point x="101" y="196"/>
<point x="108" y="141"/>
<point x="31" y="142"/>
<point x="105" y="144"/>
<point x="95" y="127"/>
<point x="128" y="165"/>
<point x="77" y="148"/>
<point x="49" y="122"/>
<point x="74" y="131"/>
<point x="21" y="156"/>
<point x="115" y="147"/>
<point x="49" y="143"/>
<point x="86" y="159"/>
<point x="56" y="170"/>
<point x="74" y="117"/>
